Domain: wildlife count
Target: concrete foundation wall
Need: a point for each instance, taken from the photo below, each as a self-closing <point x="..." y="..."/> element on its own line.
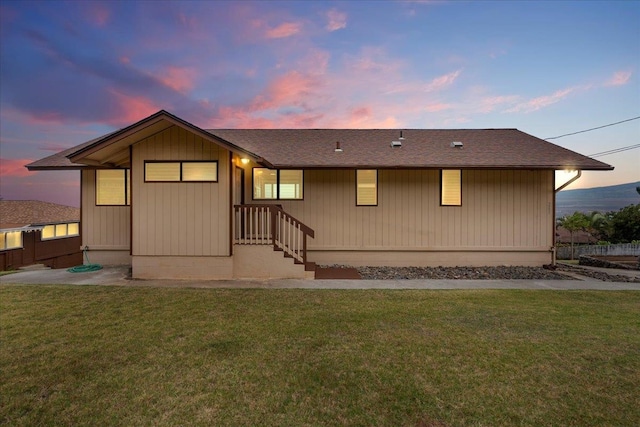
<point x="188" y="268"/>
<point x="431" y="258"/>
<point x="262" y="262"/>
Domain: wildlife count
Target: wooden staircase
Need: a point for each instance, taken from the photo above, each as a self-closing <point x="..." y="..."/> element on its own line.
<point x="271" y="225"/>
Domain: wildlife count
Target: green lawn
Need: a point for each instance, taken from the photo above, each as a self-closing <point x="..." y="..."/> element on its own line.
<point x="141" y="356"/>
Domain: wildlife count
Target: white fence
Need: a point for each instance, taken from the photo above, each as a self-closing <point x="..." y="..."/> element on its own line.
<point x="629" y="249"/>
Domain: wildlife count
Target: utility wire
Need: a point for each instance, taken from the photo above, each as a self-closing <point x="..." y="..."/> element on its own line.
<point x="615" y="150"/>
<point x="589" y="130"/>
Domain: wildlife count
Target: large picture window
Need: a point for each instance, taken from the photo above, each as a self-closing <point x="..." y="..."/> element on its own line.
<point x="273" y="184"/>
<point x="186" y="171"/>
<point x="451" y="187"/>
<point x="113" y="187"/>
<point x="366" y="187"/>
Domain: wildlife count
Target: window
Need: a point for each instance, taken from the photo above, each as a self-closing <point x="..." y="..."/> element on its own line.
<point x="113" y="187"/>
<point x="366" y="187"/>
<point x="272" y="184"/>
<point x="181" y="171"/>
<point x="58" y="231"/>
<point x="10" y="240"/>
<point x="450" y="189"/>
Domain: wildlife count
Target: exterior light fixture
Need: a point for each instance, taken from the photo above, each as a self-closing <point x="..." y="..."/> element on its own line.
<point x="244" y="161"/>
<point x="338" y="149"/>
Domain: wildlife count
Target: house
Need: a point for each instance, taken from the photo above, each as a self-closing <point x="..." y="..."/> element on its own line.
<point x="36" y="232"/>
<point x="177" y="201"/>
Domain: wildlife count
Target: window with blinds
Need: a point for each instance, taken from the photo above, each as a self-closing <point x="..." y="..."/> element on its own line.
<point x="366" y="187"/>
<point x="451" y="187"/>
<point x="185" y="171"/>
<point x="112" y="187"/>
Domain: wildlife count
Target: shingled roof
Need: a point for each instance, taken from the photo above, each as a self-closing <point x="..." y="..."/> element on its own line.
<point x="361" y="148"/>
<point x="19" y="213"/>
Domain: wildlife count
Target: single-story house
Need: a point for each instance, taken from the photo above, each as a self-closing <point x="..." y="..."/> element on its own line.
<point x="37" y="232"/>
<point x="177" y="201"/>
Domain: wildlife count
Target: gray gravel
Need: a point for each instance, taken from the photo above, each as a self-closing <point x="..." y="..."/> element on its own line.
<point x="469" y="273"/>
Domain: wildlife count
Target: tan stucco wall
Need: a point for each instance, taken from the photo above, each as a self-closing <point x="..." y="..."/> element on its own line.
<point x="182" y="267"/>
<point x="180" y="218"/>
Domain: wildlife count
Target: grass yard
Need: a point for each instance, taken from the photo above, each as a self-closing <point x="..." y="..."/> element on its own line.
<point x="141" y="356"/>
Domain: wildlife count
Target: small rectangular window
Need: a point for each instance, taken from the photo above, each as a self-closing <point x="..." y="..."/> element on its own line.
<point x="48" y="232"/>
<point x="200" y="171"/>
<point x="290" y="184"/>
<point x="112" y="187"/>
<point x="366" y="187"/>
<point x="10" y="240"/>
<point x="451" y="187"/>
<point x="162" y="172"/>
<point x="186" y="171"/>
<point x="272" y="184"/>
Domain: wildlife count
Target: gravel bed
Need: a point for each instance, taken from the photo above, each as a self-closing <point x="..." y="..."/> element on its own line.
<point x="598" y="275"/>
<point x="473" y="273"/>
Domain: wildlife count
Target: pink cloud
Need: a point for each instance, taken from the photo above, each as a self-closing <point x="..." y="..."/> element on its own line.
<point x="436" y="84"/>
<point x="290" y="89"/>
<point x="130" y="109"/>
<point x="178" y="78"/>
<point x="98" y="14"/>
<point x="336" y="20"/>
<point x="488" y="104"/>
<point x="619" y="78"/>
<point x="540" y="102"/>
<point x="433" y="108"/>
<point x="14" y="167"/>
<point x="286" y="29"/>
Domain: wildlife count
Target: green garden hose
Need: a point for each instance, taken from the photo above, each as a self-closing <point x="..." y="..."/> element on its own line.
<point x="86" y="267"/>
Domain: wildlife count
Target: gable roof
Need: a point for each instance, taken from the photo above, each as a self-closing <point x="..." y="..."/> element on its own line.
<point x="19" y="213"/>
<point x="361" y="148"/>
<point x="420" y="148"/>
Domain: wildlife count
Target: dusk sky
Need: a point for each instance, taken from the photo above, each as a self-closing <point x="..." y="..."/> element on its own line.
<point x="72" y="71"/>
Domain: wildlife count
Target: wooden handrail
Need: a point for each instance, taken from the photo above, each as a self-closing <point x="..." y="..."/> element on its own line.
<point x="269" y="223"/>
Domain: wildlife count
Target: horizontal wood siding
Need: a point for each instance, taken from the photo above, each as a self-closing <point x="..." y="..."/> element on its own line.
<point x="180" y="218"/>
<point x="102" y="226"/>
<point x="500" y="209"/>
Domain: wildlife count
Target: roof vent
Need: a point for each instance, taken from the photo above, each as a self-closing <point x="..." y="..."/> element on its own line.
<point x="338" y="149"/>
<point x="398" y="143"/>
<point x="457" y="144"/>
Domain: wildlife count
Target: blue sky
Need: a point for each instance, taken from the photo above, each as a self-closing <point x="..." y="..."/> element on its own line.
<point x="72" y="71"/>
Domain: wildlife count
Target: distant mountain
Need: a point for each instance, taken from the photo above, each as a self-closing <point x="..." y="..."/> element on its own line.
<point x="601" y="199"/>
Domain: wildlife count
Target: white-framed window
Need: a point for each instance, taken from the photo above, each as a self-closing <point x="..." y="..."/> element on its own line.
<point x="59" y="231"/>
<point x="276" y="184"/>
<point x="113" y="187"/>
<point x="366" y="187"/>
<point x="10" y="240"/>
<point x="451" y="187"/>
<point x="183" y="171"/>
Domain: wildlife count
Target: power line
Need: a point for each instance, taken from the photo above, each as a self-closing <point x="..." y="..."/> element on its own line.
<point x="615" y="150"/>
<point x="589" y="130"/>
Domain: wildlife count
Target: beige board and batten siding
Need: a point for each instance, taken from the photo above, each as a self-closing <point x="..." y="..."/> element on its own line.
<point x="506" y="217"/>
<point x="180" y="219"/>
<point x="105" y="229"/>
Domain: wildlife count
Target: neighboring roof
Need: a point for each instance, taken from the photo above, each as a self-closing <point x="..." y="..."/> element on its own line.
<point x="19" y="213"/>
<point x="362" y="148"/>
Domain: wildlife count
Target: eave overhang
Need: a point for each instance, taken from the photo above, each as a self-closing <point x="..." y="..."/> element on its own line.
<point x="113" y="150"/>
